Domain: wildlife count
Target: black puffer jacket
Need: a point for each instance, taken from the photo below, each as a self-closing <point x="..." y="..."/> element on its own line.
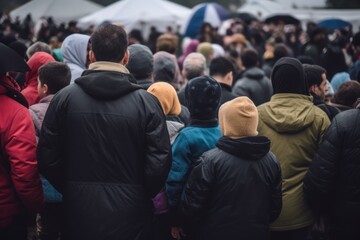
<point x="332" y="184"/>
<point x="235" y="191"/>
<point x="104" y="144"/>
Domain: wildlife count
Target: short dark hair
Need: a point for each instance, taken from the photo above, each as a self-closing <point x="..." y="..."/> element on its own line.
<point x="249" y="58"/>
<point x="109" y="43"/>
<point x="55" y="75"/>
<point x="313" y="74"/>
<point x="220" y="66"/>
<point x="348" y="93"/>
<point x="280" y="50"/>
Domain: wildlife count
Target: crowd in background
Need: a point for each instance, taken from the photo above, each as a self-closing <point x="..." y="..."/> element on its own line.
<point x="252" y="134"/>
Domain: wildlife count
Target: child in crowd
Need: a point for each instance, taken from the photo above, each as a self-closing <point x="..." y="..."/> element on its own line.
<point x="53" y="76"/>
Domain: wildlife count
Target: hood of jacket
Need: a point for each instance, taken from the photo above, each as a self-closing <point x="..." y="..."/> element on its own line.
<point x="254" y="73"/>
<point x="35" y="62"/>
<point x="173" y="129"/>
<point x="74" y="51"/>
<point x="288" y="112"/>
<point x="107" y="81"/>
<point x="252" y="148"/>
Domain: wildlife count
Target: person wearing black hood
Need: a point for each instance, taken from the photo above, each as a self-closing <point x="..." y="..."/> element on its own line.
<point x="296" y="128"/>
<point x="104" y="145"/>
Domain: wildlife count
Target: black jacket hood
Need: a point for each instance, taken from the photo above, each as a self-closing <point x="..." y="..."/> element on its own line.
<point x="253" y="148"/>
<point x="107" y="85"/>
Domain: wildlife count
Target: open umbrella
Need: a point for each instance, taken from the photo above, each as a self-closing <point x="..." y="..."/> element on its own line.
<point x="10" y="61"/>
<point x="282" y="18"/>
<point x="334" y="23"/>
<point x="212" y="13"/>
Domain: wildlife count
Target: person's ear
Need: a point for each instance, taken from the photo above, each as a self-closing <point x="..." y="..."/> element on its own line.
<point x="313" y="88"/>
<point x="45" y="89"/>
<point x="92" y="56"/>
<point x="125" y="60"/>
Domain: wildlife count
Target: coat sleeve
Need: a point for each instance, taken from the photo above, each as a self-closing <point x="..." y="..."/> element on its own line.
<point x="197" y="190"/>
<point x="276" y="196"/>
<point x="21" y="149"/>
<point x="49" y="148"/>
<point x="179" y="170"/>
<point x="320" y="177"/>
<point x="158" y="150"/>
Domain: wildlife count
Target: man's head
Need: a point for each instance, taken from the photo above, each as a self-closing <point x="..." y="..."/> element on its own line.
<point x="287" y="76"/>
<point x="194" y="66"/>
<point x="38" y="47"/>
<point x="53" y="76"/>
<point x="203" y="96"/>
<point x="316" y="78"/>
<point x="141" y="62"/>
<point x="109" y="43"/>
<point x="249" y="58"/>
<point x="222" y="70"/>
<point x="167" y="42"/>
<point x="348" y="94"/>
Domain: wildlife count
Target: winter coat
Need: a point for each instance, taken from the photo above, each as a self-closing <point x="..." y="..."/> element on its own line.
<point x="296" y="128"/>
<point x="30" y="89"/>
<point x="255" y="85"/>
<point x="104" y="144"/>
<point x="332" y="184"/>
<point x="189" y="145"/>
<point x="20" y="186"/>
<point x="37" y="113"/>
<point x="226" y="94"/>
<point x="235" y="191"/>
<point x="74" y="51"/>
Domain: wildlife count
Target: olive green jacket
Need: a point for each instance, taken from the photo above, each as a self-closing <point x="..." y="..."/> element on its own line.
<point x="296" y="128"/>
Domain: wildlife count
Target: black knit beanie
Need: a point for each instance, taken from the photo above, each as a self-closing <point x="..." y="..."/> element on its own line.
<point x="203" y="96"/>
<point x="287" y="76"/>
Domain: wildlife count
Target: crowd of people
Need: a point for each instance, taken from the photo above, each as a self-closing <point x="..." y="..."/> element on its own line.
<point x="249" y="135"/>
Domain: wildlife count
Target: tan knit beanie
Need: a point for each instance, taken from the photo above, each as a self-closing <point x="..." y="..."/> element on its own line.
<point x="238" y="118"/>
<point x="167" y="97"/>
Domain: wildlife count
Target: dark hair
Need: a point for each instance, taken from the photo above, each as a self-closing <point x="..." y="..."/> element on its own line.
<point x="55" y="75"/>
<point x="249" y="58"/>
<point x="280" y="50"/>
<point x="305" y="59"/>
<point x="109" y="43"/>
<point x="220" y="66"/>
<point x="313" y="74"/>
<point x="348" y="93"/>
<point x="356" y="40"/>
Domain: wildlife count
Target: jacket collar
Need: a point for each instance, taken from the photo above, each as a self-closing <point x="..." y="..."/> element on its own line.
<point x="108" y="66"/>
<point x="204" y="123"/>
<point x="225" y="87"/>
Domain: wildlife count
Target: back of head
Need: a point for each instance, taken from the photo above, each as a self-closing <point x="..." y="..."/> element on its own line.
<point x="55" y="75"/>
<point x="38" y="47"/>
<point x="238" y="118"/>
<point x="220" y="66"/>
<point x="203" y="96"/>
<point x="305" y="59"/>
<point x="141" y="61"/>
<point x="109" y="43"/>
<point x="165" y="68"/>
<point x="167" y="96"/>
<point x="167" y="42"/>
<point x="74" y="49"/>
<point x="249" y="58"/>
<point x="205" y="49"/>
<point x="348" y="93"/>
<point x="338" y="79"/>
<point x="287" y="76"/>
<point x="194" y="65"/>
<point x="313" y="74"/>
<point x="280" y="50"/>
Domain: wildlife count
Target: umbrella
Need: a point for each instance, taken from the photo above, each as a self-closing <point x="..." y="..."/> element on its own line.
<point x="11" y="61"/>
<point x="284" y="18"/>
<point x="247" y="17"/>
<point x="334" y="23"/>
<point x="212" y="13"/>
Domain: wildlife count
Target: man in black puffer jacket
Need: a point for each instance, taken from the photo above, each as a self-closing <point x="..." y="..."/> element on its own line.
<point x="235" y="190"/>
<point x="104" y="144"/>
<point x="332" y="184"/>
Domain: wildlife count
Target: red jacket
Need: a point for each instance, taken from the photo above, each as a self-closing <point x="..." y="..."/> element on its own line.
<point x="20" y="186"/>
<point x="30" y="90"/>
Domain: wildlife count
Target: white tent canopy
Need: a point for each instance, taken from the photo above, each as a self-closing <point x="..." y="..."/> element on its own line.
<point x="139" y="14"/>
<point x="59" y="10"/>
<point x="262" y="8"/>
